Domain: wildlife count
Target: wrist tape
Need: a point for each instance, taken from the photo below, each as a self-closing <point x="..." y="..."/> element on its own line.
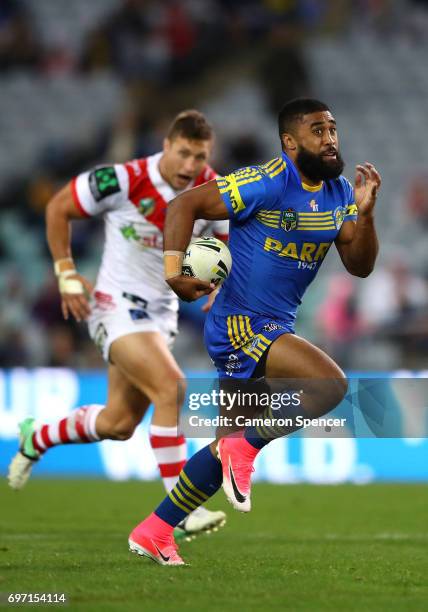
<point x="66" y="284"/>
<point x="172" y="261"/>
<point x="63" y="265"/>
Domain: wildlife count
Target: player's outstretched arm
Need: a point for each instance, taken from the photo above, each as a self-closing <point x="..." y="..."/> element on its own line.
<point x="357" y="241"/>
<point x="73" y="287"/>
<point x="204" y="202"/>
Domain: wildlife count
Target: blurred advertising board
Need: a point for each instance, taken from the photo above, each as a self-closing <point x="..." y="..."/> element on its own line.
<point x="384" y="437"/>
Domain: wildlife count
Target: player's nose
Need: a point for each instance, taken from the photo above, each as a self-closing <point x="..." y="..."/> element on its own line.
<point x="190" y="166"/>
<point x="330" y="138"/>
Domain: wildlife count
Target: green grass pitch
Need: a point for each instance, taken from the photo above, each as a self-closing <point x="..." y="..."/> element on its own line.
<point x="301" y="548"/>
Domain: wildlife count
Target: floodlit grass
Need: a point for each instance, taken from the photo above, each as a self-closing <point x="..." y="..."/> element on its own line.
<point x="302" y="547"/>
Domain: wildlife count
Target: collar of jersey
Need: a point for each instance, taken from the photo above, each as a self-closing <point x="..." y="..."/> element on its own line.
<point x="293" y="169"/>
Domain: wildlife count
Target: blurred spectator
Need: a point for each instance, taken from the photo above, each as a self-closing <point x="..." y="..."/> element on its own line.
<point x="13" y="352"/>
<point x="339" y="320"/>
<point x="417" y="199"/>
<point x="181" y="36"/>
<point x="14" y="302"/>
<point x="375" y="14"/>
<point x="62" y="347"/>
<point x="132" y="41"/>
<point x="14" y="319"/>
<point x="18" y="45"/>
<point x="391" y="294"/>
<point x="417" y="20"/>
<point x="57" y="60"/>
<point x="96" y="53"/>
<point x="283" y="70"/>
<point x="243" y="150"/>
<point x="47" y="306"/>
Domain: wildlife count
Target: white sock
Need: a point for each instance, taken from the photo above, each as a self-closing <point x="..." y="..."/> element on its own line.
<point x="79" y="426"/>
<point x="170" y="451"/>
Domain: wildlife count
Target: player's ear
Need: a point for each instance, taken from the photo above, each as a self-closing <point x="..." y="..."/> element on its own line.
<point x="288" y="142"/>
<point x="166" y="145"/>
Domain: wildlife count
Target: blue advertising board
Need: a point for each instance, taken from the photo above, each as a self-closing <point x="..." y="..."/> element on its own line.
<point x="50" y="394"/>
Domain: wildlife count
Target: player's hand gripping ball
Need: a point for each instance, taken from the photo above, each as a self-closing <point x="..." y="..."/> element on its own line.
<point x="207" y="259"/>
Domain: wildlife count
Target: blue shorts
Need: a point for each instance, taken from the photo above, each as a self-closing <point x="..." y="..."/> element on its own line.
<point x="236" y="343"/>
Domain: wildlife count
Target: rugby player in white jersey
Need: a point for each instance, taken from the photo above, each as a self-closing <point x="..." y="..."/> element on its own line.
<point x="131" y="313"/>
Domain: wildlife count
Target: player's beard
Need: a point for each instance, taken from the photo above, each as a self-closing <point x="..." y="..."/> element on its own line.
<point x="317" y="169"/>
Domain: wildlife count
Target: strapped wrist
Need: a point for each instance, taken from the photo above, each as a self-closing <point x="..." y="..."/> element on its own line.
<point x="173" y="262"/>
<point x="64" y="268"/>
<point x="65" y="264"/>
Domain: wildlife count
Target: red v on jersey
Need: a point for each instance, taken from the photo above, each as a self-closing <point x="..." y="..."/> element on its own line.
<point x="142" y="190"/>
<point x="146" y="198"/>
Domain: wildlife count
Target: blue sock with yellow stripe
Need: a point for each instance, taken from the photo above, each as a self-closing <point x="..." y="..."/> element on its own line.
<point x="262" y="434"/>
<point x="200" y="478"/>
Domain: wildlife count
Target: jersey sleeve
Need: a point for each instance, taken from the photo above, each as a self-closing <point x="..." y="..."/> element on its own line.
<point x="245" y="191"/>
<point x="351" y="210"/>
<point x="101" y="189"/>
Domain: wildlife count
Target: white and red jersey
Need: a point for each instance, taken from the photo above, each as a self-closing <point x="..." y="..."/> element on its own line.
<point x="133" y="199"/>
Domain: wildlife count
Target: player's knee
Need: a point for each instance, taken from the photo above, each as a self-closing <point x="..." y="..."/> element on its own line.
<point x="172" y="390"/>
<point x="326" y="393"/>
<point x="343" y="382"/>
<point x="338" y="389"/>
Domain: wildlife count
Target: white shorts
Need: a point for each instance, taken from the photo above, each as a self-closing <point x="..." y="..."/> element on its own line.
<point x="114" y="315"/>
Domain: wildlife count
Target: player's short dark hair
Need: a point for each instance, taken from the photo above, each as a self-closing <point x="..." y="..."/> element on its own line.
<point x="294" y="111"/>
<point x="190" y="124"/>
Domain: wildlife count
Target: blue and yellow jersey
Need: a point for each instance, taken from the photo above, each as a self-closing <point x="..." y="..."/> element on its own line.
<point x="280" y="233"/>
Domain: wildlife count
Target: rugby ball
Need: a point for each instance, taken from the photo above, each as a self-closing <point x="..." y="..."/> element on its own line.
<point x="208" y="259"/>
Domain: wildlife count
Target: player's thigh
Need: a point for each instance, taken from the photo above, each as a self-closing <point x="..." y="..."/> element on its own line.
<point x="306" y="366"/>
<point x="293" y="357"/>
<point x="147" y="362"/>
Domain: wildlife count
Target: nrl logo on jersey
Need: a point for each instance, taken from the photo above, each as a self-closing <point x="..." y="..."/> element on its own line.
<point x="339" y="215"/>
<point x="289" y="220"/>
<point x="146" y="206"/>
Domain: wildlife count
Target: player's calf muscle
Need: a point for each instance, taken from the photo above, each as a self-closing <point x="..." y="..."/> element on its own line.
<point x="116" y="428"/>
<point x="121" y="432"/>
<point x="323" y="395"/>
<point x="296" y="363"/>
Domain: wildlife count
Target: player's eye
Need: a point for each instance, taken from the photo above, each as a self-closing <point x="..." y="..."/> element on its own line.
<point x="184" y="154"/>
